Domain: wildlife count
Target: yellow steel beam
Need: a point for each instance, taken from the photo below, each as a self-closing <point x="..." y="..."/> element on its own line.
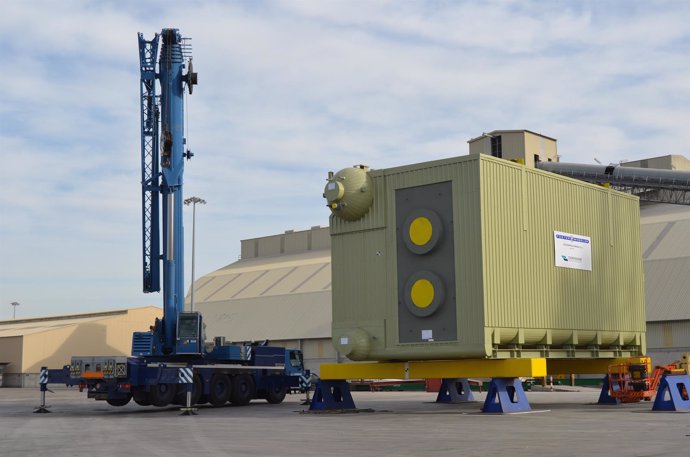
<point x="375" y="370"/>
<point x="464" y="368"/>
<point x="471" y="368"/>
<point x="587" y="366"/>
<point x="479" y="368"/>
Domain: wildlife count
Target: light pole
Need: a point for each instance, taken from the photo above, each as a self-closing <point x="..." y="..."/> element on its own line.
<point x="193" y="201"/>
<point x="14" y="305"/>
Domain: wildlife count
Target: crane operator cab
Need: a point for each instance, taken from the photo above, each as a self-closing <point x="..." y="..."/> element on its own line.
<point x="190" y="337"/>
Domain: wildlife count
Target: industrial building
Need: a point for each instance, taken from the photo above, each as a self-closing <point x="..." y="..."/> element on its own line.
<point x="279" y="291"/>
<point x="28" y="344"/>
<point x="523" y="146"/>
<point x="665" y="235"/>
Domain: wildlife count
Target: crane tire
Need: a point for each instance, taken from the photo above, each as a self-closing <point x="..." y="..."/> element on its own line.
<point x="141" y="398"/>
<point x="119" y="401"/>
<point x="162" y="394"/>
<point x="220" y="389"/>
<point x="275" y="395"/>
<point x="243" y="389"/>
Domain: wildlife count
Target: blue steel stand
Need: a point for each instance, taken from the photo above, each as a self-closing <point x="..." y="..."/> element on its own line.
<point x="605" y="397"/>
<point x="43" y="381"/>
<point x="673" y="394"/>
<point x="332" y="395"/>
<point x="454" y="390"/>
<point x="506" y="395"/>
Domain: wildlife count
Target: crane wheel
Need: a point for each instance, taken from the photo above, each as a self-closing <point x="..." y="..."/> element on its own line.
<point x="243" y="389"/>
<point x="162" y="394"/>
<point x="141" y="398"/>
<point x="119" y="401"/>
<point x="219" y="389"/>
<point x="275" y="395"/>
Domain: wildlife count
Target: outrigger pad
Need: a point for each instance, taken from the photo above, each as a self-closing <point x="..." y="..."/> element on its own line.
<point x="454" y="390"/>
<point x="332" y="395"/>
<point x="605" y="397"/>
<point x="506" y="395"/>
<point x="673" y="394"/>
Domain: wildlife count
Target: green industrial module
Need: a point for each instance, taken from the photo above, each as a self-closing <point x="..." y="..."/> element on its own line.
<point x="479" y="257"/>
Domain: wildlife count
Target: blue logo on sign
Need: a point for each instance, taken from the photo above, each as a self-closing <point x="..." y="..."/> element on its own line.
<point x="572" y="238"/>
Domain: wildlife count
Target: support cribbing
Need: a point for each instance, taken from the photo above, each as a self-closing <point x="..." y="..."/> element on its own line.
<point x="332" y="395"/>
<point x="455" y="390"/>
<point x="605" y="397"/>
<point x="673" y="394"/>
<point x="506" y="395"/>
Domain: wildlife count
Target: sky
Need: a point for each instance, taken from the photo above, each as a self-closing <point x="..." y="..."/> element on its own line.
<point x="289" y="90"/>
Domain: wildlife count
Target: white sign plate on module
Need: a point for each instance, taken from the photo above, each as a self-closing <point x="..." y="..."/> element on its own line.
<point x="572" y="251"/>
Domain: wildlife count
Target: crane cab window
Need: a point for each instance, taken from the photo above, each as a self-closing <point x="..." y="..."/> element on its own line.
<point x="296" y="359"/>
<point x="188" y="326"/>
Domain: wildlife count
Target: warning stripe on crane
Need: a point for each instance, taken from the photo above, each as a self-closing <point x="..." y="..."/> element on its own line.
<point x="185" y="376"/>
<point x="43" y="376"/>
<point x="304" y="381"/>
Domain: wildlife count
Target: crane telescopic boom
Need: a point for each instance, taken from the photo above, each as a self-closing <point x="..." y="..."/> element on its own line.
<point x="163" y="153"/>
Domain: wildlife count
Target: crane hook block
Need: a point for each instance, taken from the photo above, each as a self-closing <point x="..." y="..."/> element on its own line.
<point x="191" y="78"/>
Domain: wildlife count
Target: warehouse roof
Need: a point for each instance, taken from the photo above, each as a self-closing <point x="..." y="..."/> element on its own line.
<point x="289" y="294"/>
<point x="665" y="237"/>
<point x="21" y="327"/>
<point x="290" y="274"/>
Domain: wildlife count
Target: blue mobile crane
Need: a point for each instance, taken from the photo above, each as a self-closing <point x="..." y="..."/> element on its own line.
<point x="172" y="363"/>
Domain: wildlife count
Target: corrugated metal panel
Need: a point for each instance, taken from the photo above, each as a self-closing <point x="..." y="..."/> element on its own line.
<point x="524" y="288"/>
<point x="665" y="231"/>
<point x="667" y="288"/>
<point x="674" y="243"/>
<point x="356" y="273"/>
<point x="668" y="335"/>
<point x="650" y="235"/>
<point x="653" y="213"/>
<point x="279" y="317"/>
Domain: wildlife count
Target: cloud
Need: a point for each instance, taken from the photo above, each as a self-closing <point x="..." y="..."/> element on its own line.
<point x="287" y="91"/>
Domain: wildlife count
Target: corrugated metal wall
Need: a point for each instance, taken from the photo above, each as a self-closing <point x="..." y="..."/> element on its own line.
<point x="669" y="335"/>
<point x="507" y="284"/>
<point x="668" y="340"/>
<point x="521" y="209"/>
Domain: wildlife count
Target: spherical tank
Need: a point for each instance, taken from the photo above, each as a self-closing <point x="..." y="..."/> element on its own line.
<point x="349" y="192"/>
